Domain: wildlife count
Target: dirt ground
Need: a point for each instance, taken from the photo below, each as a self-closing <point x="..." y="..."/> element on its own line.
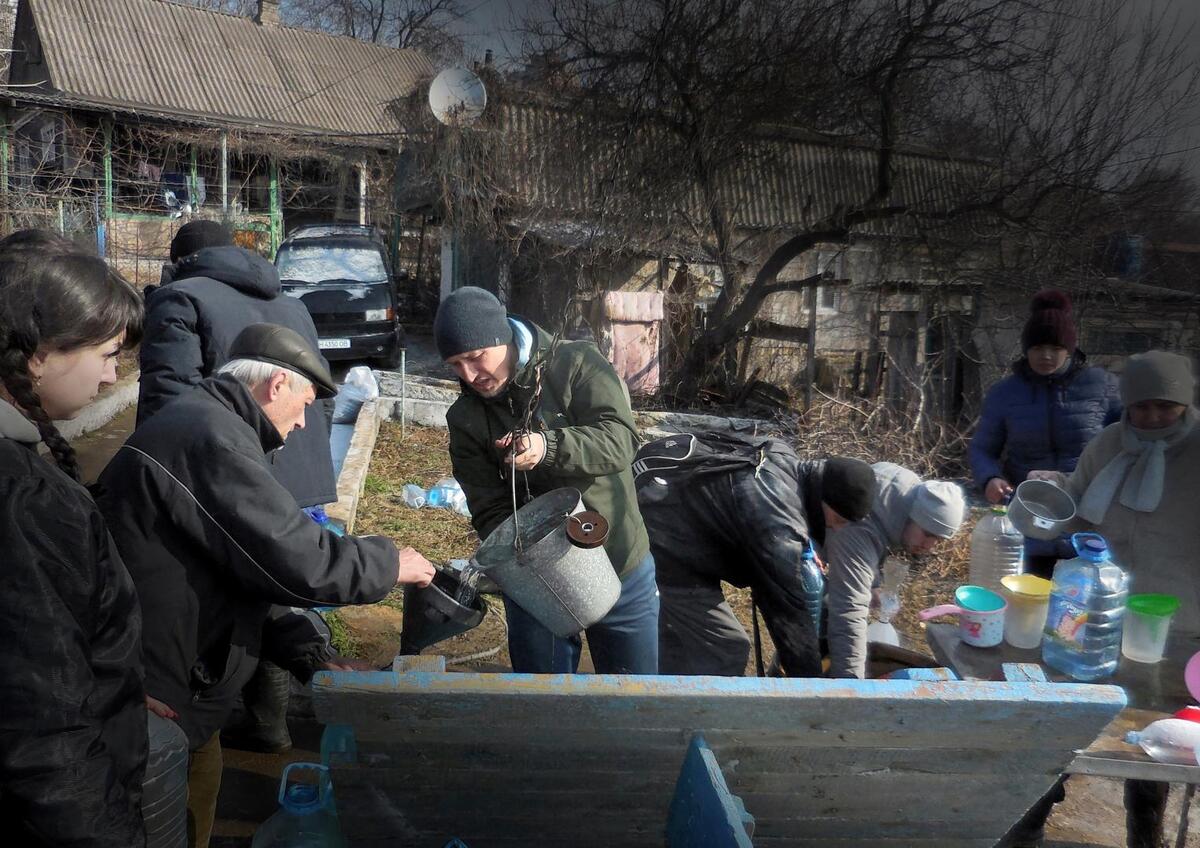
<point x="1091" y="817"/>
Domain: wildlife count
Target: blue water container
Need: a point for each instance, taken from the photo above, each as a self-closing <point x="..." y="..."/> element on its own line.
<point x="814" y="585"/>
<point x="306" y="817"/>
<point x="1087" y="611"/>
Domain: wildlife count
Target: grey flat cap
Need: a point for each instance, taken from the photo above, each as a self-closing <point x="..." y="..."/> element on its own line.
<point x="287" y="349"/>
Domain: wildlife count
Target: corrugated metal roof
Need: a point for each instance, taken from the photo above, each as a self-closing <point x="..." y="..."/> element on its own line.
<point x="559" y="164"/>
<point x="173" y="58"/>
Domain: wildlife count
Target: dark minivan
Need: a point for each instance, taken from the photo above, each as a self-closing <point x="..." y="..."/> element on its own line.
<point x="341" y="273"/>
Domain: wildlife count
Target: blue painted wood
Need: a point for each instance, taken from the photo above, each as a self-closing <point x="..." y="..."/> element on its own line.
<point x="704" y="813"/>
<point x="1023" y="673"/>
<point x="932" y="675"/>
<point x="592" y="760"/>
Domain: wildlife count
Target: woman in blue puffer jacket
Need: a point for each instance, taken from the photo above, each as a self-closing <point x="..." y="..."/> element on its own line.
<point x="1043" y="414"/>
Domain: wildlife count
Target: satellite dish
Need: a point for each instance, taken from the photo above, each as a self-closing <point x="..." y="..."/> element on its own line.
<point x="457" y="97"/>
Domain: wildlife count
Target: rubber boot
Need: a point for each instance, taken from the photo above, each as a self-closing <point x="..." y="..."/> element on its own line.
<point x="265" y="699"/>
<point x="1145" y="804"/>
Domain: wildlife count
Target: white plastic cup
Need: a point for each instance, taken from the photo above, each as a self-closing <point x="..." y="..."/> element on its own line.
<point x="1147" y="623"/>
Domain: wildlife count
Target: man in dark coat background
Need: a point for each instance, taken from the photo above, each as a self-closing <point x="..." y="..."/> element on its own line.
<point x="217" y="548"/>
<point x="211" y="291"/>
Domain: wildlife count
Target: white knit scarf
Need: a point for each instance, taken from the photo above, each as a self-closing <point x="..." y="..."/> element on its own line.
<point x="1141" y="464"/>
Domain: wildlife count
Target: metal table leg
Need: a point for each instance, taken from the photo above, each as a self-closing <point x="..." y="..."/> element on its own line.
<point x="1181" y="835"/>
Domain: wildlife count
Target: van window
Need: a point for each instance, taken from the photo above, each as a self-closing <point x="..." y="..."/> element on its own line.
<point x="315" y="264"/>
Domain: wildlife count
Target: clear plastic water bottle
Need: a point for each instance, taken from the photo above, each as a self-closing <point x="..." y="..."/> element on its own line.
<point x="414" y="495"/>
<point x="1168" y="740"/>
<point x="305" y="818"/>
<point x="997" y="549"/>
<point x="1087" y="610"/>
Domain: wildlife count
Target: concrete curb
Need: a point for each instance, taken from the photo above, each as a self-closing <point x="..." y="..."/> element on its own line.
<point x="115" y="401"/>
<point x="354" y="470"/>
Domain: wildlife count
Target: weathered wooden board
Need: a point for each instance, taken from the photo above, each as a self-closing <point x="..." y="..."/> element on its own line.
<point x="588" y="760"/>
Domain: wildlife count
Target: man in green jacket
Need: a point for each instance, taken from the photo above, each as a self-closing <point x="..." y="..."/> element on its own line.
<point x="581" y="435"/>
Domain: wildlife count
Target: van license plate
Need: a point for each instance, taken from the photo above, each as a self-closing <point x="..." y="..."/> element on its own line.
<point x="334" y="344"/>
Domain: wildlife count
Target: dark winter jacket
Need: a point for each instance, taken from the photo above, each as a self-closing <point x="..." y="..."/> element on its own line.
<point x="191" y="322"/>
<point x="1031" y="422"/>
<point x="72" y="707"/>
<point x="213" y="541"/>
<point x="590" y="442"/>
<point x="743" y="523"/>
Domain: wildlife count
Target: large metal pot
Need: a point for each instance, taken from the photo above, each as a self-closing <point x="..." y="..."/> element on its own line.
<point x="1041" y="510"/>
<point x="565" y="586"/>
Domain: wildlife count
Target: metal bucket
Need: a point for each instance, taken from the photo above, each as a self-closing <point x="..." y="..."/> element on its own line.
<point x="1041" y="510"/>
<point x="566" y="587"/>
<point x="433" y="614"/>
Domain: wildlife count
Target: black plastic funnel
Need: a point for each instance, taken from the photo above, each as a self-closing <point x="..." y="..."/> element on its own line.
<point x="432" y="614"/>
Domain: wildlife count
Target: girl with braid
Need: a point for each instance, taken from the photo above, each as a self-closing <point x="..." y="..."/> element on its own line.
<point x="72" y="709"/>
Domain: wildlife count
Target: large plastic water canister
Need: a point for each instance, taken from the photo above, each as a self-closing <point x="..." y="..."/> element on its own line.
<point x="1086" y="611"/>
<point x="165" y="785"/>
<point x="306" y="817"/>
<point x="997" y="550"/>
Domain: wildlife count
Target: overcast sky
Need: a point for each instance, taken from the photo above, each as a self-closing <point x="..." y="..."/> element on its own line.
<point x="490" y="25"/>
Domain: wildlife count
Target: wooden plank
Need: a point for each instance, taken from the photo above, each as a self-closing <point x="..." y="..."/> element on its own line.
<point x="586" y="760"/>
<point x="1023" y="672"/>
<point x="383" y="705"/>
<point x="704" y="813"/>
<point x="487" y="758"/>
<point x="933" y="675"/>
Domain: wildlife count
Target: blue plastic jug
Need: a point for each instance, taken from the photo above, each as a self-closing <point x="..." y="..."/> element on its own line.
<point x="1086" y="612"/>
<point x="305" y="818"/>
<point x="814" y="584"/>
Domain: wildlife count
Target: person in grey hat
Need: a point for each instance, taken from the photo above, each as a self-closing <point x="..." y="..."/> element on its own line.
<point x="1135" y="485"/>
<point x="225" y="565"/>
<point x="552" y="413"/>
<point x="908" y="515"/>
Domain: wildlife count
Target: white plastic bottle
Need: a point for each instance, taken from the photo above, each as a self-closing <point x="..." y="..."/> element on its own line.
<point x="997" y="550"/>
<point x="1168" y="740"/>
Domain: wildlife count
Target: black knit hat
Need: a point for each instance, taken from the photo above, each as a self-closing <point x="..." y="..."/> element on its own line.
<point x="848" y="487"/>
<point x="1050" y="321"/>
<point x="197" y="235"/>
<point x="470" y="319"/>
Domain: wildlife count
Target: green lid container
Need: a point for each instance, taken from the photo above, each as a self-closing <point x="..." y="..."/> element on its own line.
<point x="1153" y="605"/>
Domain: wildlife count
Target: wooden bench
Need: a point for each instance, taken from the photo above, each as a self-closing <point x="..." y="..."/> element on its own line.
<point x="593" y="760"/>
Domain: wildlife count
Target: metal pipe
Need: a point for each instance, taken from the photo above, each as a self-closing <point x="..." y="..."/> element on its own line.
<point x="224" y="173"/>
<point x="403" y="389"/>
<point x="362" y="193"/>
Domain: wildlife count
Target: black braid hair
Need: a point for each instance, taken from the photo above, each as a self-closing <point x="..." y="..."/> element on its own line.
<point x="54" y="297"/>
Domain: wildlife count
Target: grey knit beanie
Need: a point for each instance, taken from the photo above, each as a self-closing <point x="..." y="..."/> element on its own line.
<point x="938" y="508"/>
<point x="1158" y="375"/>
<point x="470" y="318"/>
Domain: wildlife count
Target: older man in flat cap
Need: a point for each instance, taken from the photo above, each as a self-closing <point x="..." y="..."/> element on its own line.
<point x="224" y="563"/>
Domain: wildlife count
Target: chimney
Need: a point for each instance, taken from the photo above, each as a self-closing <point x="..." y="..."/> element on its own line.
<point x="268" y="13"/>
<point x="487" y="58"/>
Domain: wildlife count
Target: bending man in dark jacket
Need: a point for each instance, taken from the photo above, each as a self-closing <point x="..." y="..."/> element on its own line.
<point x="584" y="437"/>
<point x="213" y="541"/>
<point x="211" y="292"/>
<point x="741" y="509"/>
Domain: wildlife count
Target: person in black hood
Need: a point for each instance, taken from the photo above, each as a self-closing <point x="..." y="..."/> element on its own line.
<point x="211" y="292"/>
<point x="216" y="291"/>
<point x="741" y="509"/>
